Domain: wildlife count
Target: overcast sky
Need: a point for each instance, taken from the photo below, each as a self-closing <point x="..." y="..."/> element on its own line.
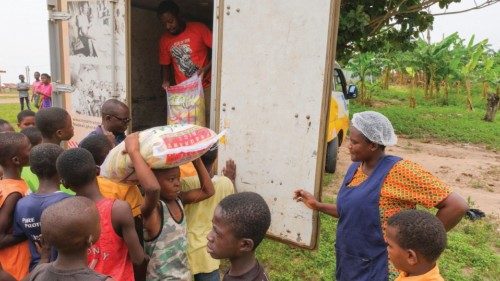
<point x="24" y="35"/>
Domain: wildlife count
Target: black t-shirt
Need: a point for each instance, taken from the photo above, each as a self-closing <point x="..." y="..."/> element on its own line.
<point x="257" y="273"/>
<point x="47" y="271"/>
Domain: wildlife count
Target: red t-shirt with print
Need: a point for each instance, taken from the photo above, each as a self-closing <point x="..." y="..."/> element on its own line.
<point x="188" y="51"/>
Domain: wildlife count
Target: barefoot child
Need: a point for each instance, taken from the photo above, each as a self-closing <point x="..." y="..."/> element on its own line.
<point x="44" y="91"/>
<point x="415" y="240"/>
<point x="35" y="98"/>
<point x="163" y="214"/>
<point x="23" y="88"/>
<point x="240" y="223"/>
<point x="118" y="246"/>
<point x="14" y="154"/>
<point x="71" y="226"/>
<point x="29" y="209"/>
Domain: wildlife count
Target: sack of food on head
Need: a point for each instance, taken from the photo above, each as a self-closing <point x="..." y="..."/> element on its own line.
<point x="161" y="147"/>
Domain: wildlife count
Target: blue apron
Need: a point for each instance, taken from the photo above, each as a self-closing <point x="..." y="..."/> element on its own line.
<point x="360" y="247"/>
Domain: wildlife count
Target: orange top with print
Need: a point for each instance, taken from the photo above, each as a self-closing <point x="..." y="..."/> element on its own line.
<point x="406" y="185"/>
<point x="129" y="193"/>
<point x="14" y="259"/>
<point x="188" y="170"/>
<point x="432" y="275"/>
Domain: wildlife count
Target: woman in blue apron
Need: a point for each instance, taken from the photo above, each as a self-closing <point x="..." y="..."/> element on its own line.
<point x="370" y="191"/>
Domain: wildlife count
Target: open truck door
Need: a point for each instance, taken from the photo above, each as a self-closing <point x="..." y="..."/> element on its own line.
<point x="272" y="63"/>
<point x="273" y="84"/>
<point x="88" y="52"/>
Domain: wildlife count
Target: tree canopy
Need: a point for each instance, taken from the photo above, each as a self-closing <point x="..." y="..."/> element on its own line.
<point x="370" y="25"/>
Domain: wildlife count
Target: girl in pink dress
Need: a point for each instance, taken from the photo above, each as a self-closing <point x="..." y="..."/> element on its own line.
<point x="45" y="91"/>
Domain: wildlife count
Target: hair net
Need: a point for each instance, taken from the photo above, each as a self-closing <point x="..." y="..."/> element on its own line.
<point x="375" y="126"/>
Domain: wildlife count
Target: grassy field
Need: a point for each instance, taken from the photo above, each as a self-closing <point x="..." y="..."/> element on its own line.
<point x="9" y="111"/>
<point x="473" y="247"/>
<point x="431" y="120"/>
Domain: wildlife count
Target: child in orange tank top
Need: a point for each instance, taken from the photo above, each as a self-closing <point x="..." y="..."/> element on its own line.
<point x="14" y="154"/>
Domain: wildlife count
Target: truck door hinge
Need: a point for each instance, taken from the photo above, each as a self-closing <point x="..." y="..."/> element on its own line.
<point x="62" y="88"/>
<point x="57" y="15"/>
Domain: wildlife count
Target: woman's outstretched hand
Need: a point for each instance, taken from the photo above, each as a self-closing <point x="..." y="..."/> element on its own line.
<point x="307" y="198"/>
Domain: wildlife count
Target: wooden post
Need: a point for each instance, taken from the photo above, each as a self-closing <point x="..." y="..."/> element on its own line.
<point x="1" y="71"/>
<point x="491" y="106"/>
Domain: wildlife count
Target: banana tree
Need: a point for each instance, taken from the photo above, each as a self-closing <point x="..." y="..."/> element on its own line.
<point x="430" y="58"/>
<point x="486" y="72"/>
<point x="475" y="53"/>
<point x="411" y="94"/>
<point x="401" y="60"/>
<point x="450" y="71"/>
<point x="363" y="66"/>
<point x="493" y="98"/>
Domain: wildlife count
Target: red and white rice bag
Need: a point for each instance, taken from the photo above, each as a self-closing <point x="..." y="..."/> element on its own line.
<point x="161" y="147"/>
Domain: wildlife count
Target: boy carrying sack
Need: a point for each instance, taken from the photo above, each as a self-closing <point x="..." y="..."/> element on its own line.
<point x="163" y="214"/>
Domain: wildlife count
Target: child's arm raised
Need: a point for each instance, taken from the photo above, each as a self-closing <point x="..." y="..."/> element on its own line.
<point x="145" y="175"/>
<point x="6" y="218"/>
<point x="230" y="171"/>
<point x="123" y="223"/>
<point x="207" y="187"/>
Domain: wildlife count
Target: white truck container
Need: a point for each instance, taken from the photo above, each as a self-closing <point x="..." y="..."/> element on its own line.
<point x="272" y="64"/>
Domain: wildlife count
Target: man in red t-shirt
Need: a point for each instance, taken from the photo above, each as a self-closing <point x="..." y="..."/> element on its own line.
<point x="186" y="47"/>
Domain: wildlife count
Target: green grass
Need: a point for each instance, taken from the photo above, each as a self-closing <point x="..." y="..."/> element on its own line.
<point x="472" y="252"/>
<point x="431" y="120"/>
<point x="9" y="113"/>
<point x="284" y="262"/>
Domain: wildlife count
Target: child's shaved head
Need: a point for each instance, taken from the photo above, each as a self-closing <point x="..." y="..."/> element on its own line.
<point x="76" y="167"/>
<point x="33" y="134"/>
<point x="50" y="120"/>
<point x="98" y="145"/>
<point x="10" y="145"/>
<point x="71" y="225"/>
<point x="43" y="159"/>
<point x="420" y="231"/>
<point x="23" y="114"/>
<point x="248" y="215"/>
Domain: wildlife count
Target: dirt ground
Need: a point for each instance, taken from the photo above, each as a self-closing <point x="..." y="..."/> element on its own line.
<point x="9" y="98"/>
<point x="470" y="170"/>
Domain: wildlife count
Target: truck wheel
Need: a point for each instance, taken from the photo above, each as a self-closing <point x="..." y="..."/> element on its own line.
<point x="331" y="155"/>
